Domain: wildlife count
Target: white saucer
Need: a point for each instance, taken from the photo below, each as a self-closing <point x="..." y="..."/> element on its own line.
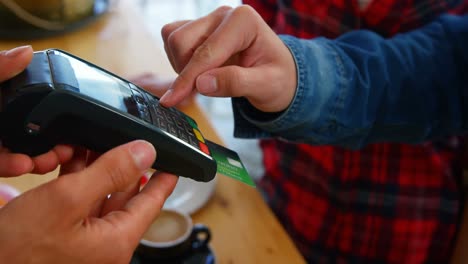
<point x="190" y="195"/>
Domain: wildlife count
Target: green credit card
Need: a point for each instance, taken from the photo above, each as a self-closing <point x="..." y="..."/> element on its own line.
<point x="229" y="163"/>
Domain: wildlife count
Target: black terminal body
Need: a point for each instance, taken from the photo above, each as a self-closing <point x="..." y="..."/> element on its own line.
<point x="61" y="98"/>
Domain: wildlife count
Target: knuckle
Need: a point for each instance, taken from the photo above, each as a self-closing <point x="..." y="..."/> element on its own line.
<point x="238" y="78"/>
<point x="119" y="170"/>
<point x="204" y="53"/>
<point x="243" y="10"/>
<point x="174" y="39"/>
<point x="156" y="198"/>
<point x="118" y="177"/>
<point x="223" y="9"/>
<point x="180" y="52"/>
<point x="185" y="82"/>
<point x="246" y="13"/>
<point x="166" y="31"/>
<point x="236" y="82"/>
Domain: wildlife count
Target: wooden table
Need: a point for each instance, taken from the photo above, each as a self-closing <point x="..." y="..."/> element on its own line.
<point x="244" y="229"/>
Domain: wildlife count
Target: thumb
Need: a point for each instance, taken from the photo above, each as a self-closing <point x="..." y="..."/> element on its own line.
<point x="114" y="171"/>
<point x="229" y="81"/>
<point x="14" y="61"/>
<point x="256" y="84"/>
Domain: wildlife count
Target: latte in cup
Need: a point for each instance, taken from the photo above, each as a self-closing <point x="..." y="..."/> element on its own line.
<point x="168" y="227"/>
<point x="172" y="236"/>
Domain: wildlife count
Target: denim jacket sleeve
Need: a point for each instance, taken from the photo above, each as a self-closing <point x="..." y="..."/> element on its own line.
<point x="361" y="88"/>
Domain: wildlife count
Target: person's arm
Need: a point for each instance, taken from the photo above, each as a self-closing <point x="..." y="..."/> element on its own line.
<point x="354" y="90"/>
<point x="362" y="88"/>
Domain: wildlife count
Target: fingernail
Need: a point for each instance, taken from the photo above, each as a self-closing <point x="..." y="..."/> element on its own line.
<point x="17" y="51"/>
<point x="143" y="153"/>
<point x="207" y="84"/>
<point x="165" y="97"/>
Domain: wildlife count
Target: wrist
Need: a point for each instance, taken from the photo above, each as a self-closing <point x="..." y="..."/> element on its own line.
<point x="276" y="75"/>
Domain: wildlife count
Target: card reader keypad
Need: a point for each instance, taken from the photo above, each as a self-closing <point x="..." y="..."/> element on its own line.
<point x="169" y="120"/>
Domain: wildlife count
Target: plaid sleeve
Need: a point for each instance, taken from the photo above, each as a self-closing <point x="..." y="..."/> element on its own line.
<point x="266" y="8"/>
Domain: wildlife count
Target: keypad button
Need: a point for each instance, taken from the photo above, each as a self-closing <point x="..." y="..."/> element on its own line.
<point x="184" y="137"/>
<point x="173" y="130"/>
<point x="138" y="97"/>
<point x="161" y="123"/>
<point x="170" y="120"/>
<point x="198" y="135"/>
<point x="191" y="122"/>
<point x="194" y="142"/>
<point x="204" y="148"/>
<point x="178" y="122"/>
<point x="143" y="110"/>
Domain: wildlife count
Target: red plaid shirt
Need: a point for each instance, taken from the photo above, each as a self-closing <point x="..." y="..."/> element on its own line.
<point x="387" y="203"/>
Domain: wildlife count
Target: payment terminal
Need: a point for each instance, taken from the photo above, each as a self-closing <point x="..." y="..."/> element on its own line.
<point x="61" y="98"/>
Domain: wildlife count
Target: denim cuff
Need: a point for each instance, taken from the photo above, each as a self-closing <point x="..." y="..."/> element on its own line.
<point x="315" y="102"/>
